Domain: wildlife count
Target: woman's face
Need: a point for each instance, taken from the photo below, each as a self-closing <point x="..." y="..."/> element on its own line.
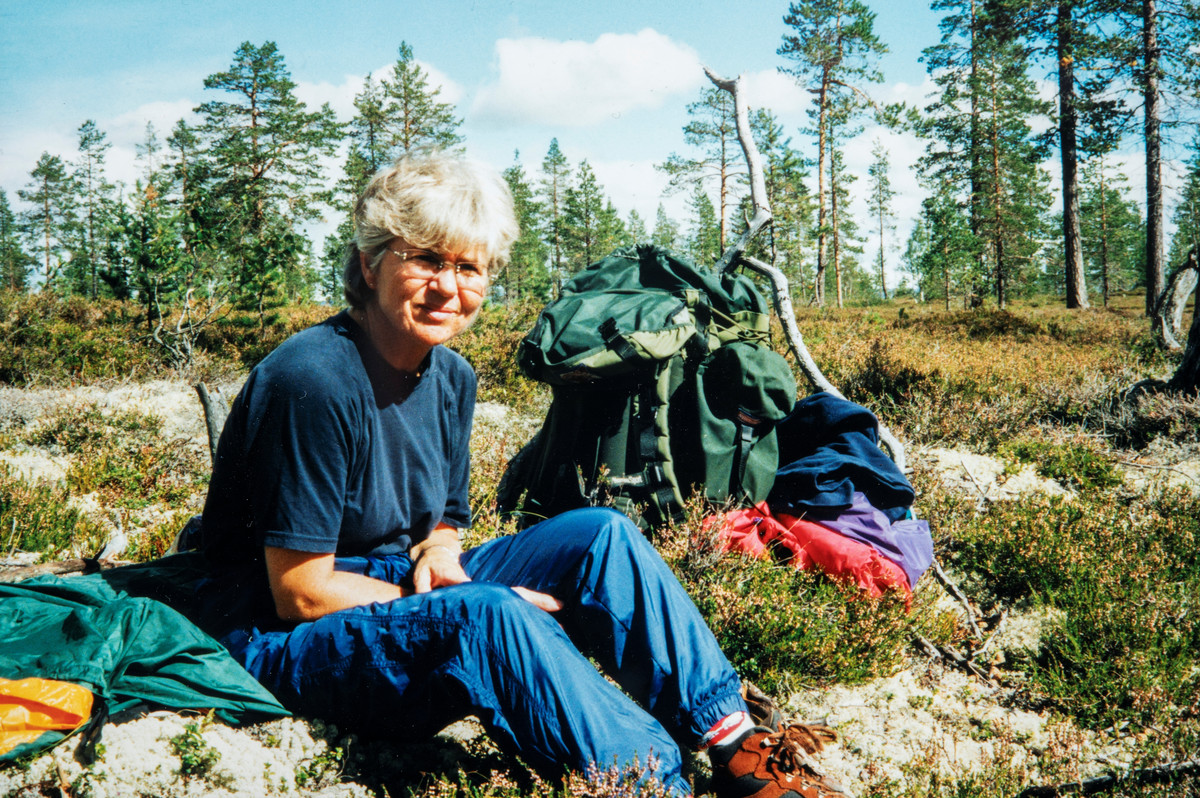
<point x="412" y="312"/>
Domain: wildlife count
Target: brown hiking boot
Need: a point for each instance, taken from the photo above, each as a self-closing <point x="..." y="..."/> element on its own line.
<point x="767" y="764"/>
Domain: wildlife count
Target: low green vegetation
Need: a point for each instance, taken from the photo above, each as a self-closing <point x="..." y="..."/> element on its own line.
<point x="1114" y="570"/>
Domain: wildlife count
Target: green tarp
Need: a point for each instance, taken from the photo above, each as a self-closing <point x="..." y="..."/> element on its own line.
<point x="88" y="630"/>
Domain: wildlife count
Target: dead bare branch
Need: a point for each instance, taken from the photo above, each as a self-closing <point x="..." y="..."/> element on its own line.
<point x="1168" y="315"/>
<point x="954" y="590"/>
<point x="736" y="256"/>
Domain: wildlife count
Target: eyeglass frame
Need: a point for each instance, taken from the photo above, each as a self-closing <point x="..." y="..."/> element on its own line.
<point x="407" y="255"/>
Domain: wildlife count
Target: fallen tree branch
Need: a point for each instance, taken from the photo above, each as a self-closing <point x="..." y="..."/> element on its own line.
<point x="955" y="591"/>
<point x="1152" y="775"/>
<point x="79" y="565"/>
<point x="956" y="658"/>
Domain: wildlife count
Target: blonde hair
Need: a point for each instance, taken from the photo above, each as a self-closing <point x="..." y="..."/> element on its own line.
<point x="436" y="201"/>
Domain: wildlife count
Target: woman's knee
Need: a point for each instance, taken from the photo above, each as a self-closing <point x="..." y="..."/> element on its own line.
<point x="603" y="525"/>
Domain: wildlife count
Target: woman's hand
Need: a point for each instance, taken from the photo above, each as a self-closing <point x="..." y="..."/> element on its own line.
<point x="435" y="564"/>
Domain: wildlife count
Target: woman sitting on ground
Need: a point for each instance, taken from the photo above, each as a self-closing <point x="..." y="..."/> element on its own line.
<point x="334" y="512"/>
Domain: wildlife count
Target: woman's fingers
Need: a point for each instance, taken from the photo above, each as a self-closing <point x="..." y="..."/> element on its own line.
<point x="437" y="567"/>
<point x="542" y="600"/>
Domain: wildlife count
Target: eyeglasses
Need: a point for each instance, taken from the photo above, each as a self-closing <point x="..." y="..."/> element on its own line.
<point x="422" y="264"/>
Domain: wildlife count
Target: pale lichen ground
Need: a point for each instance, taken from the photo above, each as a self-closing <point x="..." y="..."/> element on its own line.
<point x="925" y="713"/>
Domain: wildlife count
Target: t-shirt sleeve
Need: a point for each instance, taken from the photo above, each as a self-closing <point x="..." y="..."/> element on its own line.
<point x="458" y="502"/>
<point x="299" y="449"/>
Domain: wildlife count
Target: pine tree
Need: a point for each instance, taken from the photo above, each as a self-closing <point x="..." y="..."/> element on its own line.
<point x="413" y="114"/>
<point x="879" y="198"/>
<point x="370" y="141"/>
<point x="94" y="197"/>
<point x="552" y="195"/>
<point x="15" y="263"/>
<point x="1067" y="34"/>
<point x="835" y="49"/>
<point x="980" y="143"/>
<point x="666" y="230"/>
<point x="48" y="220"/>
<point x="704" y="239"/>
<point x="265" y="148"/>
<point x="1015" y="189"/>
<point x="713" y="131"/>
<point x="526" y="275"/>
<point x="1111" y="227"/>
<point x="846" y="244"/>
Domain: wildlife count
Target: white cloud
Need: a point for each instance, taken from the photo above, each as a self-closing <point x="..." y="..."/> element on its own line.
<point x="576" y="83"/>
<point x="775" y="91"/>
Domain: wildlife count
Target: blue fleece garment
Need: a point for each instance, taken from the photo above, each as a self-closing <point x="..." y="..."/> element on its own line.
<point x="829" y="448"/>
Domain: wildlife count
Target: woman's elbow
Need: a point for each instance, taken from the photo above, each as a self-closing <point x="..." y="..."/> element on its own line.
<point x="297" y="608"/>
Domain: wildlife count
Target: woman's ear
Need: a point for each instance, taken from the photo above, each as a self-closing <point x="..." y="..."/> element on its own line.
<point x="364" y="262"/>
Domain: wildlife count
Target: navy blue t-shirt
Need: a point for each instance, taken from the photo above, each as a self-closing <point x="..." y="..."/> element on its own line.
<point x="325" y="451"/>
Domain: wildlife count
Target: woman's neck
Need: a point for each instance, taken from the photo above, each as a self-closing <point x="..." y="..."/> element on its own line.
<point x="407" y="359"/>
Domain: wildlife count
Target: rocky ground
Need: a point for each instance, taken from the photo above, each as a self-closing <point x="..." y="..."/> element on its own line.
<point x="928" y="715"/>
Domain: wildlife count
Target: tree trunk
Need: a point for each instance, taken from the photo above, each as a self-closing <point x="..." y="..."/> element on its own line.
<point x="1076" y="285"/>
<point x="821" y="242"/>
<point x="833" y="218"/>
<point x="1153" y="134"/>
<point x="1103" y="237"/>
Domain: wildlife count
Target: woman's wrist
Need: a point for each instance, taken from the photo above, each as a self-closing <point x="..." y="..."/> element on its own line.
<point x="444" y="548"/>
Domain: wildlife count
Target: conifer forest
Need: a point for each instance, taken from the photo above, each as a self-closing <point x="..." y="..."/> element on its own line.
<point x="220" y="214"/>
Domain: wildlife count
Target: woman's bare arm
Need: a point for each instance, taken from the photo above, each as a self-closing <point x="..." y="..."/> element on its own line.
<point x="306" y="586"/>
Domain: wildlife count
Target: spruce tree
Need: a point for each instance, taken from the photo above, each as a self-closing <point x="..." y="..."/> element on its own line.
<point x="15" y="263"/>
<point x="835" y="51"/>
<point x="940" y="253"/>
<point x="704" y="238"/>
<point x="712" y="131"/>
<point x="552" y="195"/>
<point x="526" y="275"/>
<point x="635" y="230"/>
<point x="666" y="230"/>
<point x="879" y="198"/>
<point x="413" y="115"/>
<point x="95" y="200"/>
<point x="586" y="227"/>
<point x="47" y="222"/>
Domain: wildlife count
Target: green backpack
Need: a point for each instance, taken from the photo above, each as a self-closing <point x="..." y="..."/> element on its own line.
<point x="663" y="383"/>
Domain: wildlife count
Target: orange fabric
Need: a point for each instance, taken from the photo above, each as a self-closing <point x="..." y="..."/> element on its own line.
<point x="752" y="531"/>
<point x="29" y="707"/>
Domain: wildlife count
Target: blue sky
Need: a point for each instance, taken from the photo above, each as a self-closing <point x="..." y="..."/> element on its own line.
<point x="609" y="80"/>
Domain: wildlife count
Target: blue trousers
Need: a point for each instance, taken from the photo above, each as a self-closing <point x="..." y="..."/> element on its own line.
<point x="409" y="667"/>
